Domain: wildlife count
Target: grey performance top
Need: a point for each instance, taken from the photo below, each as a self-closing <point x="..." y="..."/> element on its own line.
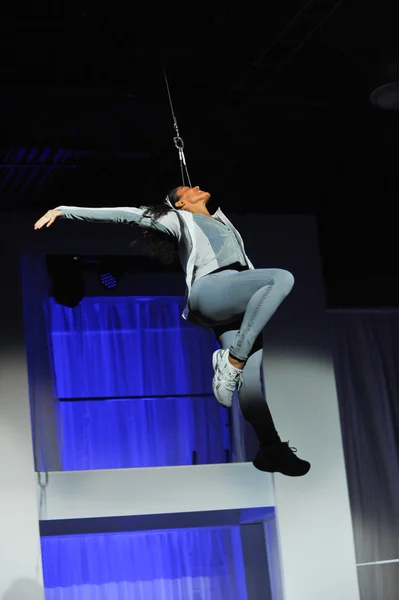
<point x="217" y="242"/>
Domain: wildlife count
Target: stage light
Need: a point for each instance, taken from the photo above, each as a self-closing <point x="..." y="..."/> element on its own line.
<point x="385" y="73"/>
<point x="110" y="272"/>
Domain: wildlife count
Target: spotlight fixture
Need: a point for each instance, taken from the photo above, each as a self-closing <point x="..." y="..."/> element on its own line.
<point x="386" y="96"/>
<point x="110" y="272"/>
<point x="384" y="70"/>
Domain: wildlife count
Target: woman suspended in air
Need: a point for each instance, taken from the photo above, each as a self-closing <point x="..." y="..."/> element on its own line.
<point x="225" y="293"/>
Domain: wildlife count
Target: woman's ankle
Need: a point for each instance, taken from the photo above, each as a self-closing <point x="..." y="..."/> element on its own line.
<point x="238" y="364"/>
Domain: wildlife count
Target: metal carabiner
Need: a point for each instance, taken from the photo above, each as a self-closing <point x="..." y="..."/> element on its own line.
<point x="179" y="144"/>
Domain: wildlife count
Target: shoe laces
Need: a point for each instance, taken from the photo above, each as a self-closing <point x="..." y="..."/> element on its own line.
<point x="291" y="447"/>
<point x="233" y="380"/>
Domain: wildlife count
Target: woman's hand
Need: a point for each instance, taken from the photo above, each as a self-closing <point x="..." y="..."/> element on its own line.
<point x="47" y="219"/>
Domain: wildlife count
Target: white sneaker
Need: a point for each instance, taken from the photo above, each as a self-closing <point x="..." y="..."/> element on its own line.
<point x="226" y="378"/>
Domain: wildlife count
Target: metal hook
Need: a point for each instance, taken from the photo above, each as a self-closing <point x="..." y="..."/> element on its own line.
<point x="178" y="142"/>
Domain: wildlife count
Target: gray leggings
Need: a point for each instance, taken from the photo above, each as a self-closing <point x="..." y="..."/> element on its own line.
<point x="252" y="297"/>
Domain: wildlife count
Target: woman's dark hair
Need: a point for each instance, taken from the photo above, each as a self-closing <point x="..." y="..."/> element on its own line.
<point x="161" y="246"/>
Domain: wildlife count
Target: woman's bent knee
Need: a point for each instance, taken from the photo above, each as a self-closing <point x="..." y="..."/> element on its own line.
<point x="285" y="280"/>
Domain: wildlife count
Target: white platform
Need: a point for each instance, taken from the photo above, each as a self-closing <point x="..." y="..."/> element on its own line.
<point x="159" y="490"/>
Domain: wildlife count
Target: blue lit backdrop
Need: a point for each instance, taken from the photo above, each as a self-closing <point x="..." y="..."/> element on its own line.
<point x="136" y="383"/>
<point x="184" y="564"/>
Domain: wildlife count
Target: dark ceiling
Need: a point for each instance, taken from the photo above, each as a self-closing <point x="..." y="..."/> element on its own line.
<point x="272" y="102"/>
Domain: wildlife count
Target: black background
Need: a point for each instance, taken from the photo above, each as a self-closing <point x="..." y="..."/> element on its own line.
<point x="272" y="101"/>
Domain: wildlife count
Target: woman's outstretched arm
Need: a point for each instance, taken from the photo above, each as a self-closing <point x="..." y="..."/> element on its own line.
<point x="129" y="215"/>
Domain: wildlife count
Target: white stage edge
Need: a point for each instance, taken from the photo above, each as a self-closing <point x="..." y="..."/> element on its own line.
<point x="158" y="490"/>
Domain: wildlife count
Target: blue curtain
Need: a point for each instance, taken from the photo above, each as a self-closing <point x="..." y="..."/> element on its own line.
<point x="135" y="380"/>
<point x="185" y="564"/>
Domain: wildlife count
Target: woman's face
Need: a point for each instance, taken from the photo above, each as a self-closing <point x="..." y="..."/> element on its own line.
<point x="191" y="197"/>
